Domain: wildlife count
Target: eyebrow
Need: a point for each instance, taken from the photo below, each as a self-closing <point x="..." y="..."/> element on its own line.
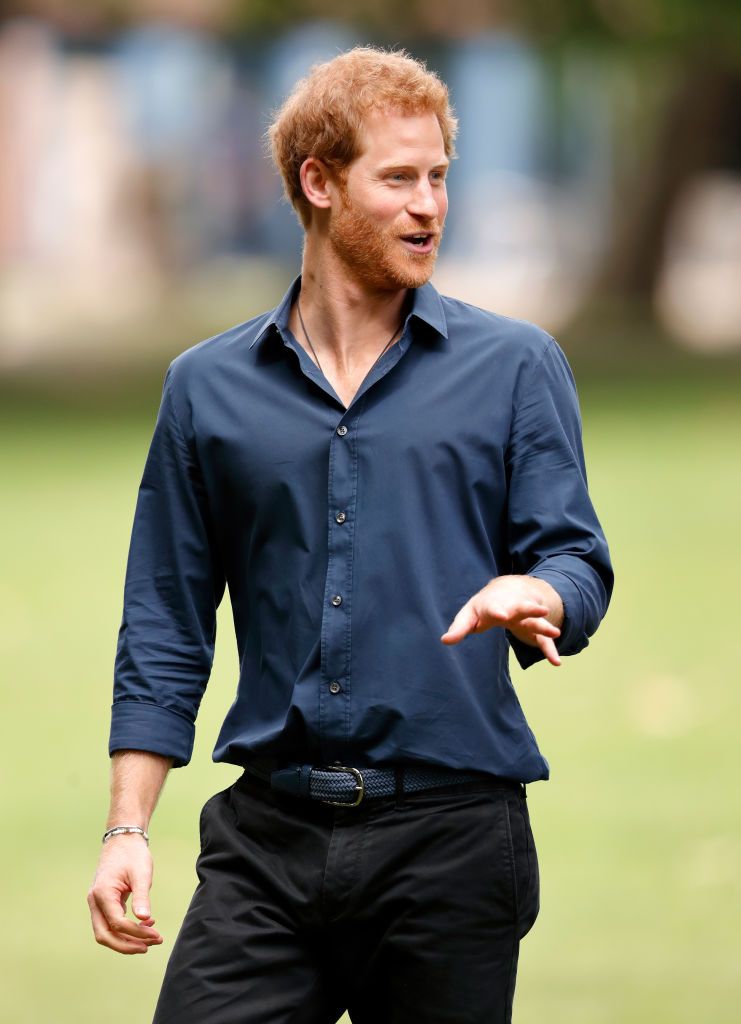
<point x="385" y="168"/>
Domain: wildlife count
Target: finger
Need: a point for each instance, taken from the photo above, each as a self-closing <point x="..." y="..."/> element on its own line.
<point x="140" y="905"/>
<point x="529" y="609"/>
<point x="542" y="626"/>
<point x="110" y="906"/>
<point x="104" y="936"/>
<point x="548" y="648"/>
<point x="464" y="623"/>
<point x="140" y="882"/>
<point x="496" y="614"/>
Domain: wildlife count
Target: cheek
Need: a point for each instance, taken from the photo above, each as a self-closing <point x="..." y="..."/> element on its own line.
<point x="389" y="212"/>
<point x="442" y="206"/>
<point x="375" y="218"/>
<point x="382" y="206"/>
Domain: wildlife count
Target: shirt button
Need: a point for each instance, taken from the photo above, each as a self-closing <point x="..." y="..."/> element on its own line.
<point x="342" y="430"/>
<point x="340" y="517"/>
<point x="334" y="687"/>
<point x="336" y="600"/>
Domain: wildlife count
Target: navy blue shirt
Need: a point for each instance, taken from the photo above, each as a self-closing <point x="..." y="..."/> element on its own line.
<point x="350" y="537"/>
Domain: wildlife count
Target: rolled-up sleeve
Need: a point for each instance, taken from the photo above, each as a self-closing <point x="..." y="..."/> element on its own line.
<point x="553" y="530"/>
<point x="174" y="584"/>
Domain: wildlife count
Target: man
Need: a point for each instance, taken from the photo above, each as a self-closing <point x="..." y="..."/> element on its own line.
<point x="392" y="485"/>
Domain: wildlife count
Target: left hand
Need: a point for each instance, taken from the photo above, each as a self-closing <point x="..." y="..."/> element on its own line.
<point x="526" y="606"/>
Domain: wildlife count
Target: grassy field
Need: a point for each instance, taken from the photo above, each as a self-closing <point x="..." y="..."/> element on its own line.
<point x="638" y="830"/>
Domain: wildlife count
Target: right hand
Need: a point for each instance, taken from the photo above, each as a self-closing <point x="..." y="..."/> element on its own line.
<point x="124" y="869"/>
<point x="528" y="607"/>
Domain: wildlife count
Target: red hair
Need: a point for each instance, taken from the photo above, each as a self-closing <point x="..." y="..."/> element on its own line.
<point x="323" y="116"/>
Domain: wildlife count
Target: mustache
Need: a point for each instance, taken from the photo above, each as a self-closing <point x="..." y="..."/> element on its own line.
<point x="433" y="228"/>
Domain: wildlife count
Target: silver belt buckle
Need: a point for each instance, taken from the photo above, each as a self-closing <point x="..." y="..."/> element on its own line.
<point x="359" y="788"/>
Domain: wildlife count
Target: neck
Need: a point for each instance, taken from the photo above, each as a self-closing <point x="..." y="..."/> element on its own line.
<point x="347" y="319"/>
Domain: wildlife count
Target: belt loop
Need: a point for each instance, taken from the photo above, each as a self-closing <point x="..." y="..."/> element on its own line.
<point x="399" y="785"/>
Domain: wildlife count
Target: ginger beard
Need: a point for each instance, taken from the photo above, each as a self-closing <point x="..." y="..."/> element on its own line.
<point x="375" y="255"/>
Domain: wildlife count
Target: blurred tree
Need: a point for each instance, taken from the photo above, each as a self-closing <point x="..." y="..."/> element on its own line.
<point x="695" y="49"/>
<point x="684" y="54"/>
<point x="684" y="58"/>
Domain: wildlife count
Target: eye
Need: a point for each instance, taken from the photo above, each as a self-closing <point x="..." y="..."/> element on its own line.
<point x="398" y="176"/>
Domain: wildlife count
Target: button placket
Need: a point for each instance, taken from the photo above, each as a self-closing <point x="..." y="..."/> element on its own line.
<point x="336" y="626"/>
<point x="334" y="706"/>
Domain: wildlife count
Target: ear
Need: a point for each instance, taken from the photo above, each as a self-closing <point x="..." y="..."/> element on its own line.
<point x="317" y="183"/>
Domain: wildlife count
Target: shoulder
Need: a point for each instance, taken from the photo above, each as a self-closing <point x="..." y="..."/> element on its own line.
<point x="198" y="378"/>
<point x="520" y="352"/>
<point x="471" y="325"/>
<point x="209" y="355"/>
<point x="209" y="359"/>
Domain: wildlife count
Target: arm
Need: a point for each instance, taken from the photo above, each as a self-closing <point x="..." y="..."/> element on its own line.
<point x="174" y="583"/>
<point x="562" y="577"/>
<point x="125" y="864"/>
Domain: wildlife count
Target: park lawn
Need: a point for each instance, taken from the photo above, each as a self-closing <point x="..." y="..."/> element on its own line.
<point x="638" y="830"/>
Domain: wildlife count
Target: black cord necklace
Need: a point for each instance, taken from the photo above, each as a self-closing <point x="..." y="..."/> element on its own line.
<point x="306" y="335"/>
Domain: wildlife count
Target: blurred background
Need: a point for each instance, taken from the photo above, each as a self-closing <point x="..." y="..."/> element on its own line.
<point x="598" y="193"/>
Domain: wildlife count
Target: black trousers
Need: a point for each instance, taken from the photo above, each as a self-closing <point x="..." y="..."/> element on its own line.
<point x="403" y="909"/>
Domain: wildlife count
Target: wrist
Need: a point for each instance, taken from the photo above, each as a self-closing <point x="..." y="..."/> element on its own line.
<point x="123" y="830"/>
<point x="551" y="598"/>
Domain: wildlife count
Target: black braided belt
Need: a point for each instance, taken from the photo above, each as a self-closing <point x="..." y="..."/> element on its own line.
<point x="346" y="787"/>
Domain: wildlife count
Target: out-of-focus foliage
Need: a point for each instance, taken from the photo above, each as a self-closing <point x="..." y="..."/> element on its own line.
<point x="671" y="24"/>
<point x="600" y="140"/>
<point x="666" y="24"/>
<point x="683" y="25"/>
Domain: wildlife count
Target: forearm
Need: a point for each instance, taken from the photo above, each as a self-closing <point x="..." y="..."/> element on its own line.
<point x="125" y="863"/>
<point x="137" y="778"/>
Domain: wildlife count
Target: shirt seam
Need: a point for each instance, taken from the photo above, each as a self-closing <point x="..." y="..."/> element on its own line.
<point x="173" y="416"/>
<point x="532" y="371"/>
<point x="218" y="566"/>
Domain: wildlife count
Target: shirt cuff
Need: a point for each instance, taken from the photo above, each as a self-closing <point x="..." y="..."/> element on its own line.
<point x="136" y="725"/>
<point x="573" y="638"/>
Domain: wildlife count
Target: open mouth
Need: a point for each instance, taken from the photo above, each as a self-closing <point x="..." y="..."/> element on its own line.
<point x="421" y="242"/>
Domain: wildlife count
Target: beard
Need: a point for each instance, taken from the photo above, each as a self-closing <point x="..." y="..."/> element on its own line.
<point x="376" y="256"/>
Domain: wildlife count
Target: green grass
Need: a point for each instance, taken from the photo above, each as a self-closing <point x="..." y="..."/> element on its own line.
<point x="638" y="831"/>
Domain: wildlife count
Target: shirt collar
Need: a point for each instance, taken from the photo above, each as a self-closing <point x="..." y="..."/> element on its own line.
<point x="278" y="317"/>
<point x="426" y="305"/>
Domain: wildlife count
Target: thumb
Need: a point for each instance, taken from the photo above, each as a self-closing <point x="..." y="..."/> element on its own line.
<point x="465" y="621"/>
<point x="140" y="898"/>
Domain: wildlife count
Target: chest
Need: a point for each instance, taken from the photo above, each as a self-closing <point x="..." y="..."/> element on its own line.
<point x="277" y="440"/>
<point x="346" y="385"/>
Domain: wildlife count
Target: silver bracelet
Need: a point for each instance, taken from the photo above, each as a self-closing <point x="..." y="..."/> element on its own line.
<point x="119" y="830"/>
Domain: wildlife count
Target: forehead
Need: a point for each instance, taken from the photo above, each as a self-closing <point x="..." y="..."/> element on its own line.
<point x="391" y="135"/>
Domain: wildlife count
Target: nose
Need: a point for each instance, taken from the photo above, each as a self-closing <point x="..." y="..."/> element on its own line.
<point x="422" y="202"/>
